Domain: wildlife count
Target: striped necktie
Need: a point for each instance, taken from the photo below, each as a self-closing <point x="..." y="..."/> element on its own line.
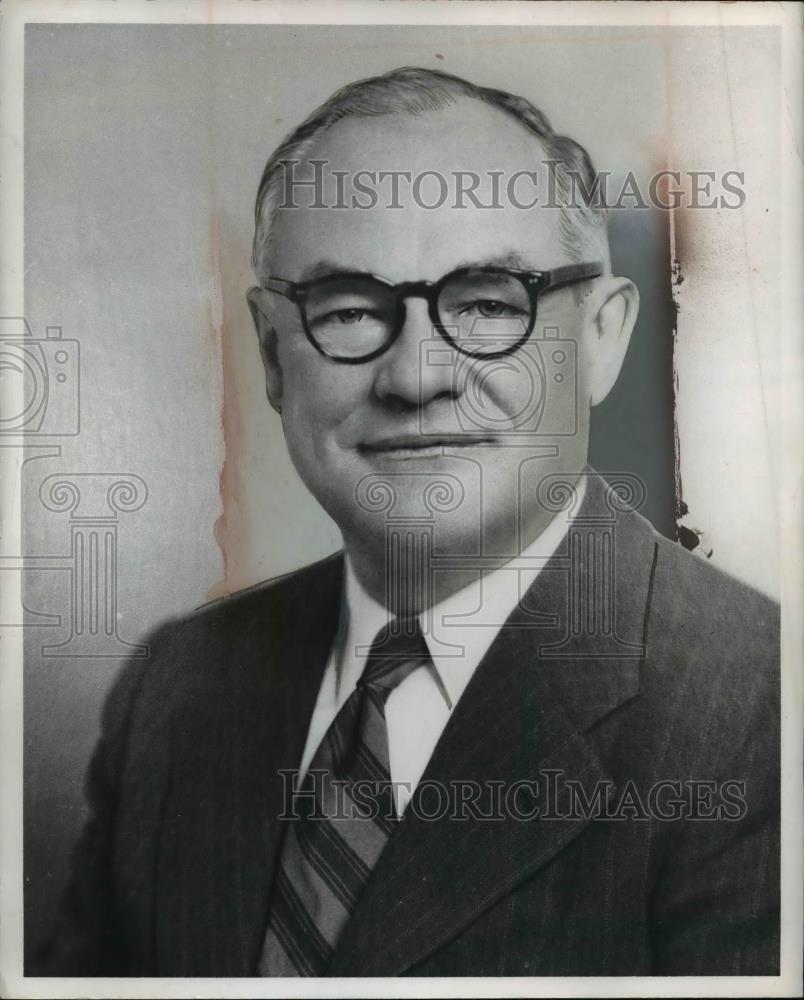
<point x="344" y="814"/>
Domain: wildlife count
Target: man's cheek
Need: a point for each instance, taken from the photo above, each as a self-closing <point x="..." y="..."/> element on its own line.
<point x="536" y="390"/>
<point x="310" y="418"/>
<point x="512" y="395"/>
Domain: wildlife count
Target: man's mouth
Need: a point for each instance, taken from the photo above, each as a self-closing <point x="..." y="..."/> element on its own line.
<point x="420" y="445"/>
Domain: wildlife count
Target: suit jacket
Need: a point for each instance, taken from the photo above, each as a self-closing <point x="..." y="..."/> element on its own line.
<point x="679" y="683"/>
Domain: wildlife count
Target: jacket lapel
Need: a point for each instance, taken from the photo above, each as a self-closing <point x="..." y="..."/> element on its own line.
<point x="522" y="718"/>
<point x="221" y="837"/>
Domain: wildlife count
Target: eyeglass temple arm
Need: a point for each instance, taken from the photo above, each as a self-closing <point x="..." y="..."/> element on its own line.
<point x="287" y="288"/>
<point x="571" y="273"/>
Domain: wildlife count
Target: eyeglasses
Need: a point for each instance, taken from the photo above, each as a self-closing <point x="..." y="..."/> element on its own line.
<point x="481" y="311"/>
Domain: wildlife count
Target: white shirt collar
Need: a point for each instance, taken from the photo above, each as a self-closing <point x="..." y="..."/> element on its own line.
<point x="458" y="630"/>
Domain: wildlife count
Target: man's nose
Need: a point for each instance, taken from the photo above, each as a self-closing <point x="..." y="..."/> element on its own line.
<point x="419" y="366"/>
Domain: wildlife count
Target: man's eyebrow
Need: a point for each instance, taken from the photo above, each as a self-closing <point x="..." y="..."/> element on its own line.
<point x="323" y="269"/>
<point x="510" y="259"/>
<point x="328" y="268"/>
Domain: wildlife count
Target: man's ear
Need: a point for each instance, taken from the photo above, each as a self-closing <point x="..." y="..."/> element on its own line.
<point x="611" y="328"/>
<point x="266" y="334"/>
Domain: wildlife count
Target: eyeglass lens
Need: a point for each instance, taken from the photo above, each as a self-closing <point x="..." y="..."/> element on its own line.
<point x="482" y="312"/>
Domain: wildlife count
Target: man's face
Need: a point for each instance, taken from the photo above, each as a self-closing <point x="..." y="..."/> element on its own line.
<point x="488" y="430"/>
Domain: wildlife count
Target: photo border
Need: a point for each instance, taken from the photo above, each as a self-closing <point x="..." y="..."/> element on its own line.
<point x="15" y="15"/>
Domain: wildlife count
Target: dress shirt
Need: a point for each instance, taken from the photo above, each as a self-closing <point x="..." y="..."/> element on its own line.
<point x="458" y="632"/>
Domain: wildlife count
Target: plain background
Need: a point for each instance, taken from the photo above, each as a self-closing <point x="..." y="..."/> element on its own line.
<point x="143" y="150"/>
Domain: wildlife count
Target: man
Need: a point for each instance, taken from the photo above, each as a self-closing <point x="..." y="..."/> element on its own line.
<point x="510" y="730"/>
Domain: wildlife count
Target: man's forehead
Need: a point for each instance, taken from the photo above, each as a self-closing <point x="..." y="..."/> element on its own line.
<point x="469" y="130"/>
<point x="468" y="137"/>
<point x="398" y="193"/>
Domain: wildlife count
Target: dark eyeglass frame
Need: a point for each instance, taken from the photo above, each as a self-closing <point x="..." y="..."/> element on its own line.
<point x="534" y="283"/>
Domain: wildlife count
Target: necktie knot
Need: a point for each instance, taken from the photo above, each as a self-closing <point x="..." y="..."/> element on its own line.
<point x="398" y="649"/>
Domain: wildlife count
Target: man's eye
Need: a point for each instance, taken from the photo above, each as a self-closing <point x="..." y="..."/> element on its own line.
<point x="491" y="309"/>
<point x="346" y="316"/>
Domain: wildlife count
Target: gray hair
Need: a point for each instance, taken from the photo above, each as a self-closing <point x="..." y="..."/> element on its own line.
<point x="415" y="91"/>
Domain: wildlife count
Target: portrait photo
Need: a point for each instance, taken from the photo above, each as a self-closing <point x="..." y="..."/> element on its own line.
<point x="404" y="411"/>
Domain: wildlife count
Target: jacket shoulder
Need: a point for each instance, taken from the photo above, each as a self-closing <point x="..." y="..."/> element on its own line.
<point x="271" y="604"/>
<point x="192" y="655"/>
<point x="707" y="609"/>
<point x="711" y="670"/>
<point x="288" y="587"/>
